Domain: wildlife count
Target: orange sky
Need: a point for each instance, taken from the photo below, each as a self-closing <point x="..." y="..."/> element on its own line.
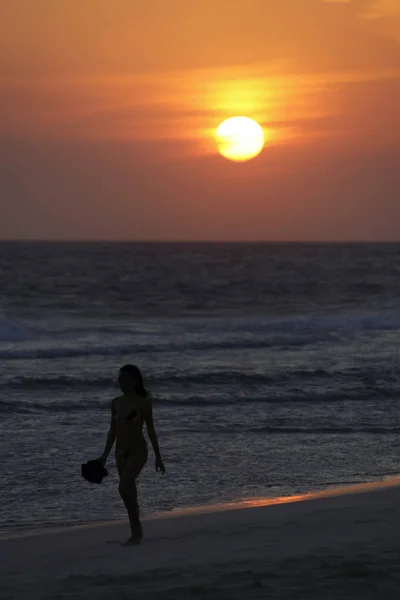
<point x="108" y="112"/>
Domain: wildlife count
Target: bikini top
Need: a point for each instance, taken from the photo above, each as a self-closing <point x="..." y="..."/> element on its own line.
<point x="133" y="416"/>
<point x="129" y="424"/>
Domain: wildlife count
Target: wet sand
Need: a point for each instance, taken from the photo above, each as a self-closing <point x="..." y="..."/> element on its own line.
<point x="341" y="544"/>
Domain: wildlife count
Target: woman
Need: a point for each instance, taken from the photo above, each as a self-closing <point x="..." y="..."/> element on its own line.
<point x="128" y="414"/>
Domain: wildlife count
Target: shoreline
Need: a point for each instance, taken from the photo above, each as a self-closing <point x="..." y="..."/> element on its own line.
<point x="216" y="508"/>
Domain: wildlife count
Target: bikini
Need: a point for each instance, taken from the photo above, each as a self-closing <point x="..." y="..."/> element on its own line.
<point x="134" y="418"/>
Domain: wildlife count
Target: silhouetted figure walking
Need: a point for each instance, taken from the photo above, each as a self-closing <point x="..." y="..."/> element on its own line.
<point x="128" y="414"/>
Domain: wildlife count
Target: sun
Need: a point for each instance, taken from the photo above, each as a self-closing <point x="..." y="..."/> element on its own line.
<point x="240" y="138"/>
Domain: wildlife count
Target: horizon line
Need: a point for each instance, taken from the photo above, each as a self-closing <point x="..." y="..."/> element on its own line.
<point x="196" y="241"/>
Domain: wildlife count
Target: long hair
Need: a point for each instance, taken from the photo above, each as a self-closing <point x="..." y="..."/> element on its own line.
<point x="136" y="374"/>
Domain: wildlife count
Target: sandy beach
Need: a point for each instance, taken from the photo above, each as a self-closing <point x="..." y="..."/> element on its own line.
<point x="342" y="544"/>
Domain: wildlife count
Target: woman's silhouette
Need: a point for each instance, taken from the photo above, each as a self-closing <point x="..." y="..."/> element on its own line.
<point x="128" y="414"/>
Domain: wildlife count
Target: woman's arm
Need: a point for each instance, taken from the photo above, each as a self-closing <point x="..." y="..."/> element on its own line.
<point x="151" y="430"/>
<point x="110" y="438"/>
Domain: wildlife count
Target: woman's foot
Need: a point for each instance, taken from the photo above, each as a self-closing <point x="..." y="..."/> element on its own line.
<point x="133" y="541"/>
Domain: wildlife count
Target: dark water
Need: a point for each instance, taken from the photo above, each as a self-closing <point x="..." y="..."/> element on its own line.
<point x="275" y="369"/>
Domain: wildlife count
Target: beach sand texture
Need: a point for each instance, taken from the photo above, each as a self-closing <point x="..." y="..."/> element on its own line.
<point x="343" y="545"/>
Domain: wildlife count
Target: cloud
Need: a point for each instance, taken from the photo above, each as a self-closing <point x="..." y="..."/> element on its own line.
<point x="372" y="9"/>
<point x="186" y="106"/>
<point x="382" y="8"/>
<point x="96" y="37"/>
<point x="284" y="59"/>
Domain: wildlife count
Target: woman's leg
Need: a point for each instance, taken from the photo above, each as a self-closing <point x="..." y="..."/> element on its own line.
<point x="128" y="491"/>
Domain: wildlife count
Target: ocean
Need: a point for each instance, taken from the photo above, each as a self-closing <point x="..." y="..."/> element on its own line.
<point x="275" y="370"/>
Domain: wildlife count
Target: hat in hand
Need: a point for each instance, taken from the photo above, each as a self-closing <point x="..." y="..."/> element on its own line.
<point x="93" y="471"/>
